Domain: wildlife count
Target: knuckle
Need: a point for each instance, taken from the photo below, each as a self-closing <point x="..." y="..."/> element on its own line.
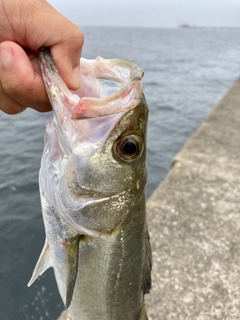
<point x="12" y="87"/>
<point x="78" y="34"/>
<point x="8" y="105"/>
<point x="73" y="36"/>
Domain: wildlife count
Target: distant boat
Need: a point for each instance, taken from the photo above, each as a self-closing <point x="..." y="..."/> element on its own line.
<point x="184" y="25"/>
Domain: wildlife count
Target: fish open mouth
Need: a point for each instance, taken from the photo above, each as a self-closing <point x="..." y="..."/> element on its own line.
<point x="108" y="86"/>
<point x="77" y="151"/>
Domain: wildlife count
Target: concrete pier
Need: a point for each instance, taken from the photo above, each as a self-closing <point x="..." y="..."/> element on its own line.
<point x="194" y="220"/>
<point x="194" y="224"/>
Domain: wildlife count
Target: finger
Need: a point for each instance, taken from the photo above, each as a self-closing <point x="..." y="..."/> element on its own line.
<point x="68" y="62"/>
<point x="21" y="84"/>
<point x="47" y="27"/>
<point x="8" y="105"/>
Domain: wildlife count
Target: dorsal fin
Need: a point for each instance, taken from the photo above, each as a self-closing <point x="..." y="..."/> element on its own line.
<point x="43" y="263"/>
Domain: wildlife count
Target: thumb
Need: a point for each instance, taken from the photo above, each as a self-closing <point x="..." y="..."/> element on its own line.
<point x="21" y="85"/>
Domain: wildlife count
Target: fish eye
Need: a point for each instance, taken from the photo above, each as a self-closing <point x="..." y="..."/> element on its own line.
<point x="128" y="148"/>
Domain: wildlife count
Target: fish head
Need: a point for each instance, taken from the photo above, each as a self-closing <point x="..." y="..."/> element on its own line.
<point x="95" y="143"/>
<point x="119" y="163"/>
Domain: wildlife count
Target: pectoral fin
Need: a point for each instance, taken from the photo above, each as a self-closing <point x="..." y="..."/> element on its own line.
<point x="43" y="263"/>
<point x="72" y="250"/>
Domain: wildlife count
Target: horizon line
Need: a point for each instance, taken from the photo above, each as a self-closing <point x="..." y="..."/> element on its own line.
<point x="162" y="27"/>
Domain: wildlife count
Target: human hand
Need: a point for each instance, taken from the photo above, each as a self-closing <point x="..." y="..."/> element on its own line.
<point x="25" y="27"/>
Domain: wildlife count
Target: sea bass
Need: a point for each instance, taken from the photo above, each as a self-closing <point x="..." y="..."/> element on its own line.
<point x="92" y="185"/>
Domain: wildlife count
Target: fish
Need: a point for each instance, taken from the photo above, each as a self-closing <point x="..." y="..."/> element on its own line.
<point x="92" y="183"/>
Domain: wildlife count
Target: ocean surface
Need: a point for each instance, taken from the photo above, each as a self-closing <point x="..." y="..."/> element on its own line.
<point x="187" y="71"/>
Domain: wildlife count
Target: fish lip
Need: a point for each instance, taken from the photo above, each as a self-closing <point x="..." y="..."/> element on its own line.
<point x="46" y="62"/>
<point x="54" y="84"/>
<point x="88" y="107"/>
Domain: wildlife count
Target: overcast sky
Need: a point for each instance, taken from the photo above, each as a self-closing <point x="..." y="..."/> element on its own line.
<point x="150" y="13"/>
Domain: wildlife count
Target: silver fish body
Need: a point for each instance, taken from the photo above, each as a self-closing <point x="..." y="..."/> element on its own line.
<point x="92" y="184"/>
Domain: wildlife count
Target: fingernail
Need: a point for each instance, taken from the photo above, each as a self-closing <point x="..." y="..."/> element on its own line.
<point x="5" y="56"/>
<point x="76" y="76"/>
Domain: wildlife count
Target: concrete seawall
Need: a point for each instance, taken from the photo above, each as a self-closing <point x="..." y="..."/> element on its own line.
<point x="194" y="219"/>
<point x="194" y="224"/>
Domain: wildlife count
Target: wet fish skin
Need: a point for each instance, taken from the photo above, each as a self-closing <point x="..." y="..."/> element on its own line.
<point x="92" y="184"/>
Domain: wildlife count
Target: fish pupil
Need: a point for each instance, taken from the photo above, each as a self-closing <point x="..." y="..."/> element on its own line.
<point x="129" y="148"/>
